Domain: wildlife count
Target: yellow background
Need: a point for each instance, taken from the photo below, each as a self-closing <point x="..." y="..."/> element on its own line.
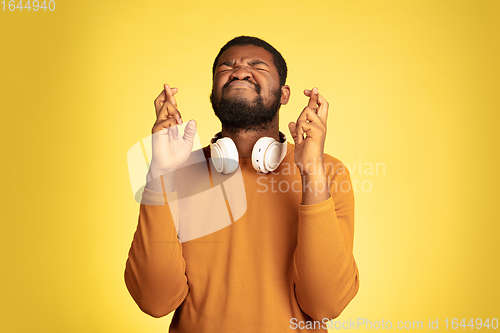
<point x="411" y="84"/>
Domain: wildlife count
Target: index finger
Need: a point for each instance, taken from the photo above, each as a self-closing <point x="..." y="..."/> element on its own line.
<point x="162" y="97"/>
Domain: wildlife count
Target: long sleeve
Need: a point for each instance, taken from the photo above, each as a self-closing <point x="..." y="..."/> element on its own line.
<point x="155" y="269"/>
<point x="326" y="275"/>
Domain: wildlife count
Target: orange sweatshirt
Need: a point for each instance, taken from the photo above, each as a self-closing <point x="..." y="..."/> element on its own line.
<point x="280" y="267"/>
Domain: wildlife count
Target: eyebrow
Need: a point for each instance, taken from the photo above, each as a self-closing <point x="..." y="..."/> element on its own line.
<point x="230" y="63"/>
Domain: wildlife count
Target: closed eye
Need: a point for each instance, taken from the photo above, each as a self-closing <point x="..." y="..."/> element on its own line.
<point x="222" y="70"/>
<point x="259" y="65"/>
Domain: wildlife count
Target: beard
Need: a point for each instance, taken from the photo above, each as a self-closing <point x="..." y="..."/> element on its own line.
<point x="239" y="114"/>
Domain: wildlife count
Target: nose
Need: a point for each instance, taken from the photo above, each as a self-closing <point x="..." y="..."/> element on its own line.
<point x="241" y="73"/>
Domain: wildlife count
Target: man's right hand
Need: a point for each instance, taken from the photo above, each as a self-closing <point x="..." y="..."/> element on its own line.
<point x="168" y="149"/>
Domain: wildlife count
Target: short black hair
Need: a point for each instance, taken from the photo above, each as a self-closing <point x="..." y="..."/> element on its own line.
<point x="279" y="62"/>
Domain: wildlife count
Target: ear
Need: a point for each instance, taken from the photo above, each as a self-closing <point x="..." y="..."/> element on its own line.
<point x="285" y="94"/>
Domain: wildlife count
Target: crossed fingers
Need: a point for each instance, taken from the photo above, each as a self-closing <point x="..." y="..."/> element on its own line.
<point x="167" y="114"/>
<point x="313" y="118"/>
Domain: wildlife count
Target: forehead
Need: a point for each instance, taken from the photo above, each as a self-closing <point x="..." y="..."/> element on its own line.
<point x="246" y="52"/>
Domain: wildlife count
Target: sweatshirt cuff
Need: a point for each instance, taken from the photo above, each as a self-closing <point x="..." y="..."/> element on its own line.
<point x="157" y="198"/>
<point x="317" y="207"/>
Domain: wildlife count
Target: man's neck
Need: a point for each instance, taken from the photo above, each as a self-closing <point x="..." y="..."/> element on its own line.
<point x="245" y="140"/>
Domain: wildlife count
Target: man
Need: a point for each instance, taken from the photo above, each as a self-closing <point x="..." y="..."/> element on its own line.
<point x="287" y="263"/>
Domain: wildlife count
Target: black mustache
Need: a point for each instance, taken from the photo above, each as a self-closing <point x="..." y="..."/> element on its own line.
<point x="257" y="87"/>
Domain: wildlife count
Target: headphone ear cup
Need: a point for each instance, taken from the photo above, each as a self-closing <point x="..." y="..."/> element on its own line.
<point x="224" y="155"/>
<point x="266" y="155"/>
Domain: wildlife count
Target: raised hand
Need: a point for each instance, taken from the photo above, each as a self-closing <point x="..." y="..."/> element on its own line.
<point x="312" y="123"/>
<point x="169" y="150"/>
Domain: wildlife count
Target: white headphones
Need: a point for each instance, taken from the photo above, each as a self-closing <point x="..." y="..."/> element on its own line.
<point x="267" y="154"/>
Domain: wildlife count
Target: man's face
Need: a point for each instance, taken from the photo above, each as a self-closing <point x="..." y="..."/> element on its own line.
<point x="246" y="92"/>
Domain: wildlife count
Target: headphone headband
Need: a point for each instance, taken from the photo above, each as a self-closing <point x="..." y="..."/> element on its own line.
<point x="218" y="136"/>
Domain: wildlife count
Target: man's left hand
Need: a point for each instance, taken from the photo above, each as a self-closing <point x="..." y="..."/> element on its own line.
<point x="312" y="123"/>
